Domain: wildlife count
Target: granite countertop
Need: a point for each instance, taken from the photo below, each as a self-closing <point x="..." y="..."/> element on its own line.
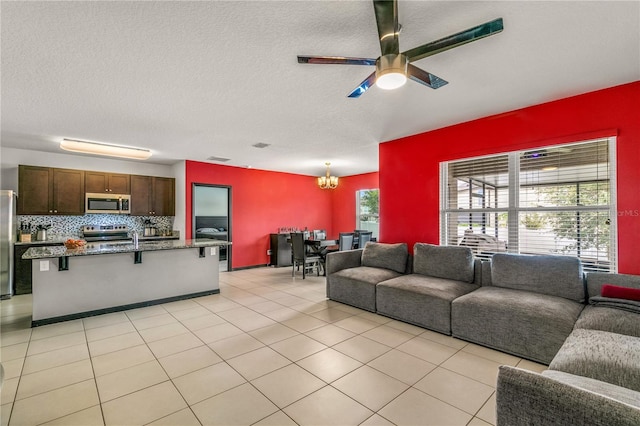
<point x="56" y="240"/>
<point x="61" y="240"/>
<point x="109" y="248"/>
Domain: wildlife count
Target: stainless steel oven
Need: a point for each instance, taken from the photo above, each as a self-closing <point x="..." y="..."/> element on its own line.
<point x="108" y="203"/>
<point x="112" y="234"/>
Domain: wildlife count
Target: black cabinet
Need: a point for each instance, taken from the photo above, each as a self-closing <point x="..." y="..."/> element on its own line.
<point x="22" y="268"/>
<point x="280" y="250"/>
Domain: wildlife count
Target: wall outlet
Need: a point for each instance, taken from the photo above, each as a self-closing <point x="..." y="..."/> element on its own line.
<point x="213" y="251"/>
<point x="44" y="265"/>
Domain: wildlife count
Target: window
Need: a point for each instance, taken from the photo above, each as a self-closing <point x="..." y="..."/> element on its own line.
<point x="367" y="211"/>
<point x="552" y="200"/>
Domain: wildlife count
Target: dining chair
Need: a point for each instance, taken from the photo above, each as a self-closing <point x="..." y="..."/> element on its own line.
<point x="301" y="257"/>
<point x="319" y="234"/>
<point x="345" y="241"/>
<point x="363" y="238"/>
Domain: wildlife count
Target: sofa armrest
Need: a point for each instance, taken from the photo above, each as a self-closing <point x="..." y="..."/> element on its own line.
<point x="340" y="260"/>
<point x="527" y="398"/>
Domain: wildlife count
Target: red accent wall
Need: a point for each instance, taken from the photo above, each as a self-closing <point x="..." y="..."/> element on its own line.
<point x="409" y="167"/>
<point x="344" y="201"/>
<point x="263" y="201"/>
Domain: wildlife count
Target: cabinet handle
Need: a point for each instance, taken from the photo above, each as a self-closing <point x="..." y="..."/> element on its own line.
<point x="50" y="211"/>
<point x="55" y="211"/>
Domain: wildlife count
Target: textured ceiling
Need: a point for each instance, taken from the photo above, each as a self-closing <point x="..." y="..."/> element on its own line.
<point x="190" y="80"/>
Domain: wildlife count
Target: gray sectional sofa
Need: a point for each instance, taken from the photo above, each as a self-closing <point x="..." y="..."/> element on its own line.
<point x="352" y="275"/>
<point x="536" y="307"/>
<point x="528" y="309"/>
<point x="594" y="379"/>
<point x="424" y="297"/>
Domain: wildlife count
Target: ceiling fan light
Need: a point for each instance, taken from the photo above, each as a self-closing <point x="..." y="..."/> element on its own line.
<point x="390" y="81"/>
<point x="391" y="71"/>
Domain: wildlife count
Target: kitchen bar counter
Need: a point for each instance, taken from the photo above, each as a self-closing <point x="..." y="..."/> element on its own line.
<point x="102" y="278"/>
<point x="62" y="239"/>
<point x="118" y="247"/>
<point x="52" y="241"/>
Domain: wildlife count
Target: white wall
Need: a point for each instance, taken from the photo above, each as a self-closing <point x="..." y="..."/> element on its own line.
<point x="10" y="158"/>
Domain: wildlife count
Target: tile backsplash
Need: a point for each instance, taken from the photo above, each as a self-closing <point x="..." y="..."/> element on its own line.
<point x="70" y="226"/>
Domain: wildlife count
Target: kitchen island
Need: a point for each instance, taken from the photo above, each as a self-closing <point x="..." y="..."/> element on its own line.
<point x="102" y="278"/>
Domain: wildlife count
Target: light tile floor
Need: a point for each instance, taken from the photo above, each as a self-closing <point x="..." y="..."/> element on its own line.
<point x="268" y="350"/>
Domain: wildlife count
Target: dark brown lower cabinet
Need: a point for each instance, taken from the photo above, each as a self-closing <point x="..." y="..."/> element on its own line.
<point x="22" y="268"/>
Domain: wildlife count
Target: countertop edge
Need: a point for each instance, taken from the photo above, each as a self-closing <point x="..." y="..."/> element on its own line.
<point x="48" y="252"/>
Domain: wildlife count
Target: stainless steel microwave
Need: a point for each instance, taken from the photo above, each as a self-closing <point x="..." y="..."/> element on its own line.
<point x="108" y="203"/>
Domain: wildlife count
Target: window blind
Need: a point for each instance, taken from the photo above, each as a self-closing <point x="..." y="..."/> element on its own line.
<point x="550" y="200"/>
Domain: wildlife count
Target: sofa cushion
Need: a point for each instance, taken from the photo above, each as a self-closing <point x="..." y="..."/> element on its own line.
<point x="619" y="292"/>
<point x="595" y="281"/>
<point x="609" y="319"/>
<point x="387" y="256"/>
<point x="526" y="324"/>
<point x="525" y="398"/>
<point x="357" y="286"/>
<point x="420" y="300"/>
<point x="546" y="274"/>
<point x="610" y="357"/>
<point x="450" y="262"/>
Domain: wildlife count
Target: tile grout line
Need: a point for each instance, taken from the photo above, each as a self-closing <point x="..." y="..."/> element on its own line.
<point x="95" y="379"/>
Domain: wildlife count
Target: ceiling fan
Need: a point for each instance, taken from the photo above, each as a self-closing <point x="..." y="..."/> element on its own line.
<point x="392" y="67"/>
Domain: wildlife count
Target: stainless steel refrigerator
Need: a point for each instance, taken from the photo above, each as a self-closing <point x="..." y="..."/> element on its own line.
<point x="8" y="231"/>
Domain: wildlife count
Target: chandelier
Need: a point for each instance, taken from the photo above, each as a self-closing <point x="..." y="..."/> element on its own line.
<point x="328" y="181"/>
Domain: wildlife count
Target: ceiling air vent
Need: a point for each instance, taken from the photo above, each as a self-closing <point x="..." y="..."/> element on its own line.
<point x="260" y="145"/>
<point x="220" y="159"/>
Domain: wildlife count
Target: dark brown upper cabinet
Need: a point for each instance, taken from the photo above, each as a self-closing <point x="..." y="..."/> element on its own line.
<point x="100" y="182"/>
<point x="46" y="190"/>
<point x="152" y="196"/>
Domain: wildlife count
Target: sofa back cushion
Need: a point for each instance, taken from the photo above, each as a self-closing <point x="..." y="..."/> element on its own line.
<point x="545" y="274"/>
<point x="387" y="256"/>
<point x="450" y="262"/>
<point x="595" y="281"/>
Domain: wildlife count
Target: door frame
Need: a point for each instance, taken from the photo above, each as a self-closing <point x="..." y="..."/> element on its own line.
<point x="229" y="216"/>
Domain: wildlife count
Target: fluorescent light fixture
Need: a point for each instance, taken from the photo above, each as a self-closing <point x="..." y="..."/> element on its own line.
<point x="104" y="149"/>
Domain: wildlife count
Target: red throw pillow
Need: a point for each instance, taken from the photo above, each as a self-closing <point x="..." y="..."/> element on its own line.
<point x="617" y="292"/>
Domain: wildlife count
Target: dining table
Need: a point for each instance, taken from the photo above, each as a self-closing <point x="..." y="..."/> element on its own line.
<point x="321" y="248"/>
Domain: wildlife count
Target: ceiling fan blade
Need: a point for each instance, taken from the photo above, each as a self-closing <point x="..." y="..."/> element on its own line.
<point x="341" y="60"/>
<point x="420" y="76"/>
<point x="387" y="21"/>
<point x="368" y="82"/>
<point x="455" y="40"/>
